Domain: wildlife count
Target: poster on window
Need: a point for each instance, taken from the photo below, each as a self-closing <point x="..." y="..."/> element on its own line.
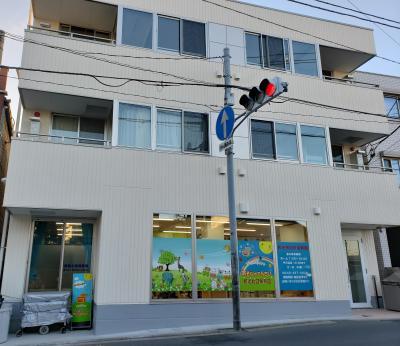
<point x="213" y="265"/>
<point x="256" y="266"/>
<point x="82" y="298"/>
<point x="294" y="266"/>
<point x="171" y="265"/>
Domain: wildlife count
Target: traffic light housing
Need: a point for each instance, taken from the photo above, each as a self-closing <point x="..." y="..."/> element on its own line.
<point x="265" y="92"/>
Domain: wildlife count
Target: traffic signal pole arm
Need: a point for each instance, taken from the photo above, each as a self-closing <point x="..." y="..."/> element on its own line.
<point x="246" y="114"/>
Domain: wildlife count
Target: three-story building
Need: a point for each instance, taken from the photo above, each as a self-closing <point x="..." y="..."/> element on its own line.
<point x="126" y="180"/>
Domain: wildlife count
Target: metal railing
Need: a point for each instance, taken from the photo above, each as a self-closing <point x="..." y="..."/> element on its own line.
<point x="71" y="34"/>
<point x="64" y="140"/>
<point x="364" y="167"/>
<point x="350" y="82"/>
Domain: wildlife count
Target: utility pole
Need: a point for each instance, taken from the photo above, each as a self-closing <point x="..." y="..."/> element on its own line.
<point x="231" y="198"/>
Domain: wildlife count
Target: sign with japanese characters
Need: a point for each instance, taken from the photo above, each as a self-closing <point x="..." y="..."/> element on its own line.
<point x="294" y="266"/>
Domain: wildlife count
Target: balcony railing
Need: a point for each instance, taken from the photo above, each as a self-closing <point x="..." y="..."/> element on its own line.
<point x="351" y="82"/>
<point x="64" y="140"/>
<point x="364" y="167"/>
<point x="70" y="34"/>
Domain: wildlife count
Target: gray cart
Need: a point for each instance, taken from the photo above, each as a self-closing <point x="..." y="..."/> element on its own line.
<point x="391" y="288"/>
<point x="43" y="309"/>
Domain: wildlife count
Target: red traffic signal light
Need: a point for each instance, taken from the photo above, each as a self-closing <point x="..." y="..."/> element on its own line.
<point x="267" y="87"/>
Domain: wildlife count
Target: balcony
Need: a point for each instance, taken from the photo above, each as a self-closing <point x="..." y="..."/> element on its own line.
<point x="81" y="19"/>
<point x="66" y="119"/>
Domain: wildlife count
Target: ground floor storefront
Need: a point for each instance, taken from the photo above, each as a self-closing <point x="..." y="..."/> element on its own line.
<point x="177" y="272"/>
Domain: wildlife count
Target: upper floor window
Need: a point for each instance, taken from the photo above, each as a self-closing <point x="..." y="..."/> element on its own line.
<point x="267" y="51"/>
<point x="305" y="58"/>
<point x="286" y="141"/>
<point x="392" y="165"/>
<point x="314" y="145"/>
<point x="196" y="132"/>
<point x="193" y="38"/>
<point x="134" y="126"/>
<point x="169" y="33"/>
<point x="137" y="28"/>
<point x="392" y="105"/>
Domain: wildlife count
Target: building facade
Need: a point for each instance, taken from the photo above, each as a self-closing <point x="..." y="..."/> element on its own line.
<point x="125" y="180"/>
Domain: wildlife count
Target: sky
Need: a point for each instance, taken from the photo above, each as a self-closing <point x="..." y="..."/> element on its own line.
<point x="16" y="18"/>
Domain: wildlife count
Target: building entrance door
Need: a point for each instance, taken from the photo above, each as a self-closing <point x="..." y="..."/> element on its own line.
<point x="356" y="272"/>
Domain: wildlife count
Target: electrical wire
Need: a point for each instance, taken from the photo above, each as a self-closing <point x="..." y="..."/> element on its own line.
<point x="343" y="14"/>
<point x="381" y="29"/>
<point x="86" y="55"/>
<point x="295" y="30"/>
<point x="357" y="11"/>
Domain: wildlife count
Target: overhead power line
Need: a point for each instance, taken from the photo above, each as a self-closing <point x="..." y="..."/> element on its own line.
<point x="295" y="30"/>
<point x="211" y="107"/>
<point x="357" y="11"/>
<point x="344" y="14"/>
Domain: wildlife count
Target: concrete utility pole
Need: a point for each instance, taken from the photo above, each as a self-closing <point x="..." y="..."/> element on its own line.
<point x="232" y="201"/>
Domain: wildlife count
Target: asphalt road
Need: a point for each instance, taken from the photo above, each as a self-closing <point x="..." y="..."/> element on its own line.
<point x="328" y="333"/>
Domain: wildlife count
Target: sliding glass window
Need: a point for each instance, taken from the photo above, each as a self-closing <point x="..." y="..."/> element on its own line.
<point x="169" y="129"/>
<point x="169" y="33"/>
<point x="134" y="126"/>
<point x="193" y="38"/>
<point x="262" y="139"/>
<point x="58" y="250"/>
<point x="314" y="145"/>
<point x="253" y="49"/>
<point x="137" y="28"/>
<point x="305" y="58"/>
<point x="196" y="132"/>
<point x="286" y="141"/>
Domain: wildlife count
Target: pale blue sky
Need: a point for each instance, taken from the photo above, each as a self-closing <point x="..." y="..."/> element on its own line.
<point x="15" y="13"/>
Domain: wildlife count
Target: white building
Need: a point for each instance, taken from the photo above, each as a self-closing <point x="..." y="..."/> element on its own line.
<point x="128" y="182"/>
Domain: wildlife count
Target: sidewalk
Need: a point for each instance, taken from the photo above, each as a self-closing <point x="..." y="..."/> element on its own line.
<point x="75" y="337"/>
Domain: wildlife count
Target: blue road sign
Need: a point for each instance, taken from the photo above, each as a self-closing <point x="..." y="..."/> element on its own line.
<point x="225" y="123"/>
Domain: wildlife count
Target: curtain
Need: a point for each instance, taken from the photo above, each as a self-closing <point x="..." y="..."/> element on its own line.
<point x="134" y="126"/>
<point x="169" y="130"/>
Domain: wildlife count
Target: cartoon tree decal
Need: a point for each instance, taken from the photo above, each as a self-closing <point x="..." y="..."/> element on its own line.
<point x="167" y="258"/>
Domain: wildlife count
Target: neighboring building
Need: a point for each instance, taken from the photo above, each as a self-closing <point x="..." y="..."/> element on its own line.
<point x="6" y="129"/>
<point x="387" y="154"/>
<point x="128" y="182"/>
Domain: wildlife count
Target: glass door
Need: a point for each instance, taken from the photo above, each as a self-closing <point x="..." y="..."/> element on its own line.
<point x="356" y="272"/>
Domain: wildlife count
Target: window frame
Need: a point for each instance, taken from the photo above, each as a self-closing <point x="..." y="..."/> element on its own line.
<point x="120" y="26"/>
<point x="397" y="104"/>
<point x="156" y="128"/>
<point x="274" y="158"/>
<point x="64" y="221"/>
<point x="195" y="298"/>
<point x="157" y="45"/>
<point x="317" y="59"/>
<point x="297" y="141"/>
<point x="181" y="52"/>
<point x="209" y="139"/>
<point x="327" y="147"/>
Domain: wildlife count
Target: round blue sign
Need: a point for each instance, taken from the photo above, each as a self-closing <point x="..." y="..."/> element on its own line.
<point x="225" y="123"/>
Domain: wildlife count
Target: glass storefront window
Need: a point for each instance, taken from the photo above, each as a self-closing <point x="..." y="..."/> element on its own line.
<point x="172" y="256"/>
<point x="59" y="249"/>
<point x="295" y="275"/>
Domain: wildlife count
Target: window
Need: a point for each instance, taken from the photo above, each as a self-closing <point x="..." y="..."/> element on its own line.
<point x="337" y="155"/>
<point x="137" y="28"/>
<point x="169" y="33"/>
<point x="267" y="51"/>
<point x="253" y="49"/>
<point x="256" y="264"/>
<point x="172" y="256"/>
<point x="314" y="145"/>
<point x="259" y="266"/>
<point x="392" y="105"/>
<point x="286" y="141"/>
<point x="194" y="38"/>
<point x="59" y="249"/>
<point x="65" y="128"/>
<point x="169" y="129"/>
<point x="196" y="137"/>
<point x="305" y="58"/>
<point x="262" y="139"/>
<point x="134" y="128"/>
<point x="92" y="131"/>
<point x="392" y="165"/>
<point x="74" y="129"/>
<point x="295" y="275"/>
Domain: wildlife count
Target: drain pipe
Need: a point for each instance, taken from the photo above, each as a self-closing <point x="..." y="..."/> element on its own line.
<point x="3" y="247"/>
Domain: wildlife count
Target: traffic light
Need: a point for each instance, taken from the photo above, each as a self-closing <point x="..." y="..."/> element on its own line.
<point x="263" y="94"/>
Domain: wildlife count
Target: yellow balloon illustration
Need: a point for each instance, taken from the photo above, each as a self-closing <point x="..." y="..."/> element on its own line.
<point x="266" y="247"/>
